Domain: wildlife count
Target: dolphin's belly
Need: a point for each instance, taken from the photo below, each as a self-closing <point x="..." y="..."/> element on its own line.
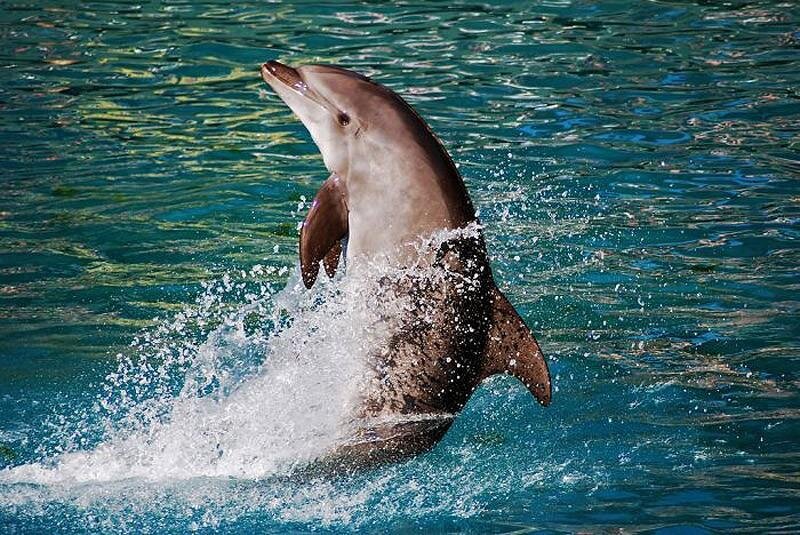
<point x="398" y="250"/>
<point x="393" y="228"/>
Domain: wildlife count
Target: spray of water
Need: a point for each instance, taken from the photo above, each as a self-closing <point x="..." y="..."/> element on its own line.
<point x="246" y="383"/>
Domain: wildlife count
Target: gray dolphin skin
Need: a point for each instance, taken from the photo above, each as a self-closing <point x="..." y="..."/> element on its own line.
<point x="391" y="184"/>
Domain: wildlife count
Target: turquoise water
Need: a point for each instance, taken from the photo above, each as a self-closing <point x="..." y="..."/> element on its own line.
<point x="636" y="168"/>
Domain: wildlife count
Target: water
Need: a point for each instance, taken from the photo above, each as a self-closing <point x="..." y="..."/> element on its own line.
<point x="635" y="166"/>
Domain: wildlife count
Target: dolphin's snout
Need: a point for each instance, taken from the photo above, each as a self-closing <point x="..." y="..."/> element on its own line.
<point x="284" y="73"/>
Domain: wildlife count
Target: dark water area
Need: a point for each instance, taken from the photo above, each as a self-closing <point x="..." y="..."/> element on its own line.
<point x="636" y="169"/>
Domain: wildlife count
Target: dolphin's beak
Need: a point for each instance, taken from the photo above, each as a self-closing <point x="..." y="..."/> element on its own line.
<point x="280" y="76"/>
<point x="275" y="71"/>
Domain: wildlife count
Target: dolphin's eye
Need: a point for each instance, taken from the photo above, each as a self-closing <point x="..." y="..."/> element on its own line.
<point x="344" y="119"/>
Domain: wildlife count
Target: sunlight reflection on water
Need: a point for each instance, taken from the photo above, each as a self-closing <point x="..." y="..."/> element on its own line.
<point x="636" y="169"/>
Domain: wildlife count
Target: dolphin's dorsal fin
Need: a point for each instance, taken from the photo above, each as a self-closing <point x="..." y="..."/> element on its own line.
<point x="512" y="349"/>
<point x="322" y="231"/>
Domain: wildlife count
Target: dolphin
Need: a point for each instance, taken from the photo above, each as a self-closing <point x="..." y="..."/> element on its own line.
<point x="392" y="184"/>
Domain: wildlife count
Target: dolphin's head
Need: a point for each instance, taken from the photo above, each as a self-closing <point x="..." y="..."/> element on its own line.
<point x="347" y="114"/>
<point x="398" y="179"/>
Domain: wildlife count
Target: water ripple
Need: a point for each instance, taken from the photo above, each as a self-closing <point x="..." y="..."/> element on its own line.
<point x="636" y="168"/>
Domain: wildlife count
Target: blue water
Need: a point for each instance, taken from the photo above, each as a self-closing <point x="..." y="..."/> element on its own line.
<point x="635" y="166"/>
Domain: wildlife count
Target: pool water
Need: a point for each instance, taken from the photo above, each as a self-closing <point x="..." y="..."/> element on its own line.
<point x="636" y="169"/>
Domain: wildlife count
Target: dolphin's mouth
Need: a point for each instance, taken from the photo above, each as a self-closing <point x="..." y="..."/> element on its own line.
<point x="278" y="75"/>
<point x="275" y="70"/>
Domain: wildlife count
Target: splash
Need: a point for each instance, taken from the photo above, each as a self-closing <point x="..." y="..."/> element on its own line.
<point x="248" y="382"/>
<point x="225" y="389"/>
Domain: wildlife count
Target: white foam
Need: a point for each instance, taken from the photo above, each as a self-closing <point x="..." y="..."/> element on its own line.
<point x="237" y="414"/>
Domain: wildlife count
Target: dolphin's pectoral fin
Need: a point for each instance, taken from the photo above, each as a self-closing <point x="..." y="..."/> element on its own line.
<point x="512" y="349"/>
<point x="324" y="227"/>
<point x="331" y="260"/>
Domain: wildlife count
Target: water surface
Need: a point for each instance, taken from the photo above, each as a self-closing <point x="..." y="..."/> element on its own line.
<point x="635" y="166"/>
